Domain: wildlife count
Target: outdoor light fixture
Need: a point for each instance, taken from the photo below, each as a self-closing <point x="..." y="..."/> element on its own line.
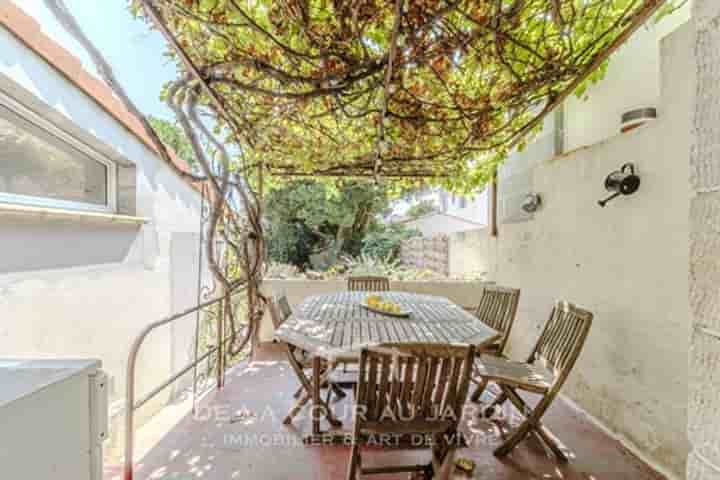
<point x="531" y="203"/>
<point x="638" y="117"/>
<point x="621" y="182"/>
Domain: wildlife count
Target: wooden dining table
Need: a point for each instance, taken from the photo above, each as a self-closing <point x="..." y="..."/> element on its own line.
<point x="335" y="327"/>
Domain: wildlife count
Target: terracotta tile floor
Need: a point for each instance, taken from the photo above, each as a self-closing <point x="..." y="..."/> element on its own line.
<point x="231" y="438"/>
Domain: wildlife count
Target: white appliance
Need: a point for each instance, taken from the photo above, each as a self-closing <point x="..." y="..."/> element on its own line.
<point x="53" y="419"/>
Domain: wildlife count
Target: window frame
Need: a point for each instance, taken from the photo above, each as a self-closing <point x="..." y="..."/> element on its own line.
<point x="49" y="127"/>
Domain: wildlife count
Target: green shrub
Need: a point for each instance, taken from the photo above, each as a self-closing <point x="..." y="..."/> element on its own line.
<point x="385" y="241"/>
<point x="290" y="243"/>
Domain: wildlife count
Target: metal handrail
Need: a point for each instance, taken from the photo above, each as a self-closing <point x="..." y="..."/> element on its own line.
<point x="131" y="404"/>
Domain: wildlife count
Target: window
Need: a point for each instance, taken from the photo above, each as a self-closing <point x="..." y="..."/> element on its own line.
<point x="42" y="166"/>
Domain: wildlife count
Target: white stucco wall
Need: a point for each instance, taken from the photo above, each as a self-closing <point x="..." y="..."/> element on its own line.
<point x="632" y="81"/>
<point x="627" y="263"/>
<point x="86" y="288"/>
<point x="468" y="254"/>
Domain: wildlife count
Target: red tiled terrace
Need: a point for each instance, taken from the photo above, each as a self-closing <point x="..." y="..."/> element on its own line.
<point x="238" y="434"/>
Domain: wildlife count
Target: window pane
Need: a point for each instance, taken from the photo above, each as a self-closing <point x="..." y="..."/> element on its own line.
<point x="35" y="163"/>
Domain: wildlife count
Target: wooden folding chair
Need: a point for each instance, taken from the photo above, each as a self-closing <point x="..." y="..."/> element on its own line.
<point x="301" y="362"/>
<point x="368" y="284"/>
<point x="363" y="284"/>
<point x="411" y="389"/>
<point x="544" y="373"/>
<point x="497" y="309"/>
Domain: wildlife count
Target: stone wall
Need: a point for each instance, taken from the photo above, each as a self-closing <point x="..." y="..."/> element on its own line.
<point x="704" y="367"/>
<point x="426" y="253"/>
<point x="462" y="255"/>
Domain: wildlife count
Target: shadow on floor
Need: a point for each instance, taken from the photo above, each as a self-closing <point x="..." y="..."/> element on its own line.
<point x="238" y="434"/>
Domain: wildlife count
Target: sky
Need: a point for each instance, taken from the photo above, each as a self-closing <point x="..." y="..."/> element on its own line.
<point x="133" y="50"/>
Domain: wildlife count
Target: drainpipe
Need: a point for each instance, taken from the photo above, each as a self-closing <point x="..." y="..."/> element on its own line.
<point x="559" y="129"/>
<point x="493" y="205"/>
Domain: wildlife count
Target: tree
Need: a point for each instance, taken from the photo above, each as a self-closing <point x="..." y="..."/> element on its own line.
<point x="384" y="242"/>
<point x="421" y="209"/>
<point x="174" y="138"/>
<point x="308" y="216"/>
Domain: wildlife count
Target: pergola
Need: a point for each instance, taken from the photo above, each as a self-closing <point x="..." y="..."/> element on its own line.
<point x="405" y="89"/>
<point x="439" y="90"/>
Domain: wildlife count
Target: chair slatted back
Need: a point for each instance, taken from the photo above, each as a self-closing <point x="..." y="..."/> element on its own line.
<point x="562" y="339"/>
<point x="498" y="309"/>
<point x="279" y="310"/>
<point x="407" y="382"/>
<point x="368" y="284"/>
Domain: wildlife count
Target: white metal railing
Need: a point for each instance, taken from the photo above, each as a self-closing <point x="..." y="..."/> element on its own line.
<point x="224" y="304"/>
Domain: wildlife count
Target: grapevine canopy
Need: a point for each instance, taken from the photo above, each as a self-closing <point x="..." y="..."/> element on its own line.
<point x="397" y="88"/>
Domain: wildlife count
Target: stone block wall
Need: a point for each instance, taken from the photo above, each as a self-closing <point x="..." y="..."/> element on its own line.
<point x="427" y="254"/>
<point x="704" y="364"/>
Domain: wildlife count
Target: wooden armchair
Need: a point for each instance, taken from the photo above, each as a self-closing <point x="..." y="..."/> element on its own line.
<point x="410" y="390"/>
<point x="544" y="373"/>
<point x="301" y="362"/>
<point x="368" y="284"/>
<point x="497" y="309"/>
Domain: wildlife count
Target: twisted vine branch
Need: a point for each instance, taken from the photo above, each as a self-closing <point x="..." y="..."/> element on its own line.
<point x="241" y="229"/>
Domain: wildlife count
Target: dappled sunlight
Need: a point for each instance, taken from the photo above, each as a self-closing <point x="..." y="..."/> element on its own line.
<point x="238" y="434"/>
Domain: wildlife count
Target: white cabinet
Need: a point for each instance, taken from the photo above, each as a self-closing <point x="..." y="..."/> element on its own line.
<point x="53" y="419"/>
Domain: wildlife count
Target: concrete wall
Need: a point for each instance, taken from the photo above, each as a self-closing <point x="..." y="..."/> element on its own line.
<point x="627" y="263"/>
<point x="462" y="293"/>
<point x="85" y="288"/>
<point x="468" y="255"/>
<point x="704" y="395"/>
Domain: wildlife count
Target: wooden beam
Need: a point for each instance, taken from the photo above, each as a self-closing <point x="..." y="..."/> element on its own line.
<point x="285" y="173"/>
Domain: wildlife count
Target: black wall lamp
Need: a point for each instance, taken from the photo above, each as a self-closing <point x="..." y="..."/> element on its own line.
<point x="621" y="182"/>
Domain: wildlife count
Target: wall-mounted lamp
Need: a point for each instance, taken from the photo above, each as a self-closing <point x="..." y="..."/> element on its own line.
<point x="638" y="117"/>
<point x="621" y="182"/>
<point x="531" y="203"/>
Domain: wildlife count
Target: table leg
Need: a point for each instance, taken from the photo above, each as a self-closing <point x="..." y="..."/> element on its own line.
<point x="317" y="402"/>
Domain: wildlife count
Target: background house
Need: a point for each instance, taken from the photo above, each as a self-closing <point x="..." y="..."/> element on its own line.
<point x="472" y="208"/>
<point x="440" y="223"/>
<point x="98" y="236"/>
